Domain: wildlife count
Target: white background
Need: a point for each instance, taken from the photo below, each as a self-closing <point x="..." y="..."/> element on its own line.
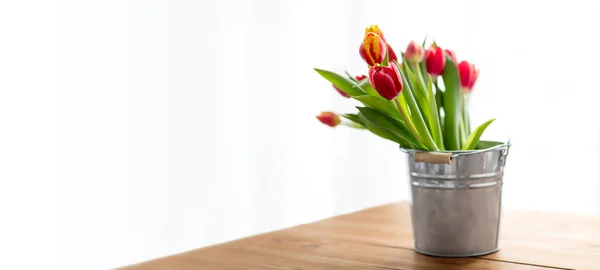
<point x="135" y="129"/>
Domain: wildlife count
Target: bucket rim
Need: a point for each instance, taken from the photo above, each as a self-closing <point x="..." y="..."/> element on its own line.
<point x="456" y="153"/>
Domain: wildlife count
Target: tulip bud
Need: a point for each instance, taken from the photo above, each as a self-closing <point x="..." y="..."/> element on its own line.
<point x="344" y="94"/>
<point x="360" y="77"/>
<point x="372" y="49"/>
<point x="375" y="29"/>
<point x="436" y="60"/>
<point x="414" y="53"/>
<point x="329" y="118"/>
<point x="452" y="55"/>
<point x="468" y="75"/>
<point x="386" y="80"/>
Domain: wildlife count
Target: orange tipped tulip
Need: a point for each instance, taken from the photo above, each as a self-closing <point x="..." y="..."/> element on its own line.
<point x="375" y="29"/>
<point x="329" y="118"/>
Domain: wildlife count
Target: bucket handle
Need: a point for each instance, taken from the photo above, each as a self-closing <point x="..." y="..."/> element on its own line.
<point x="446" y="157"/>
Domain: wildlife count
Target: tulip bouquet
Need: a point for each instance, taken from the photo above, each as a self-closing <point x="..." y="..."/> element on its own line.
<point x="402" y="98"/>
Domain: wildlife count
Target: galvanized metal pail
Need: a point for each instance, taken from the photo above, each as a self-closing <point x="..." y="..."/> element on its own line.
<point x="456" y="199"/>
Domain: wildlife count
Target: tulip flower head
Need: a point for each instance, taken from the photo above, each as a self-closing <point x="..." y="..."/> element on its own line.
<point x="373" y="49"/>
<point x="360" y="77"/>
<point x="414" y="53"/>
<point x="329" y="118"/>
<point x="436" y="60"/>
<point x="375" y="29"/>
<point x="386" y="80"/>
<point x="468" y="75"/>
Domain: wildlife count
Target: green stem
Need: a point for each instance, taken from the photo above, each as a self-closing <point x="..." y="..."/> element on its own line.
<point x="433" y="119"/>
<point x="409" y="123"/>
<point x="422" y="81"/>
<point x="466" y="115"/>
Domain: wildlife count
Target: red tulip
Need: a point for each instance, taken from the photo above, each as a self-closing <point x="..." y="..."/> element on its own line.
<point x="386" y="80"/>
<point x="372" y="49"/>
<point x="452" y="55"/>
<point x="329" y="118"/>
<point x="468" y="75"/>
<point x="392" y="57"/>
<point x="414" y="53"/>
<point x="436" y="60"/>
<point x="344" y="94"/>
<point x="360" y="77"/>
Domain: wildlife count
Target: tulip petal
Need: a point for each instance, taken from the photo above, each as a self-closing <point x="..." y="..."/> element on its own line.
<point x="384" y="84"/>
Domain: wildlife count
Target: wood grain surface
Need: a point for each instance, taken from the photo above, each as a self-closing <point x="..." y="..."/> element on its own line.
<point x="381" y="238"/>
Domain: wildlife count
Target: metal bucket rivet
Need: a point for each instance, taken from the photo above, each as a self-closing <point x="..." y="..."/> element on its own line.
<point x="456" y="201"/>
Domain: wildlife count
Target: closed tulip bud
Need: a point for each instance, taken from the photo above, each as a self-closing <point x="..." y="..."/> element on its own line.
<point x="452" y="55"/>
<point x="386" y="80"/>
<point x="360" y="77"/>
<point x="342" y="93"/>
<point x="414" y="53"/>
<point x="436" y="60"/>
<point x="375" y="29"/>
<point x="468" y="75"/>
<point x="372" y="49"/>
<point x="329" y="118"/>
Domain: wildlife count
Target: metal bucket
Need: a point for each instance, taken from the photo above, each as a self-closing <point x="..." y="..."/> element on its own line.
<point x="456" y="200"/>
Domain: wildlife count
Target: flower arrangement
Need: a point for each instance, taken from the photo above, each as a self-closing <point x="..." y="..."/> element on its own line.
<point x="403" y="101"/>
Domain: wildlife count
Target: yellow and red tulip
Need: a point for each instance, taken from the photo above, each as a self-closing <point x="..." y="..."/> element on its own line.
<point x="386" y="80"/>
<point x="373" y="49"/>
<point x="329" y="118"/>
<point x="375" y="29"/>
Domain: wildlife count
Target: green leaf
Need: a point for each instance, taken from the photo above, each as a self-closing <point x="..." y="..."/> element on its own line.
<point x="380" y="131"/>
<point x="474" y="137"/>
<point x="452" y="105"/>
<point x="434" y="121"/>
<point x="352" y="117"/>
<point x="487" y="144"/>
<point x="381" y="104"/>
<point x="341" y="82"/>
<point x="416" y="117"/>
<point x="390" y="124"/>
<point x="365" y="84"/>
<point x="353" y="125"/>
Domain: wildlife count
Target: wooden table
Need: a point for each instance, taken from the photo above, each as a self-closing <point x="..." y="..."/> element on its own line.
<point x="381" y="238"/>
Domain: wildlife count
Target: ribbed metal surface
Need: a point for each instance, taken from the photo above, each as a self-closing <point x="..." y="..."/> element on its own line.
<point x="455" y="207"/>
